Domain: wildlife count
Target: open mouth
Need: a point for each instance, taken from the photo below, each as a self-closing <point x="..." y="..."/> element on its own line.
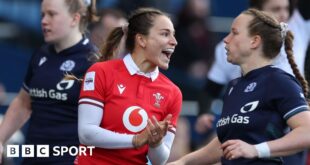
<point x="45" y="31"/>
<point x="227" y="50"/>
<point x="168" y="52"/>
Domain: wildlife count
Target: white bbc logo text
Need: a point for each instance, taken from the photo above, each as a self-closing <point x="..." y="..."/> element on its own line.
<point x="44" y="150"/>
<point x="12" y="151"/>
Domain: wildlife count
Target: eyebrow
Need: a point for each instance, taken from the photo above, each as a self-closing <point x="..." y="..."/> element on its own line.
<point x="234" y="29"/>
<point x="173" y="31"/>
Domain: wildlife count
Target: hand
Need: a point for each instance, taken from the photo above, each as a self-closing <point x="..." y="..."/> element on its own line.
<point x="204" y="123"/>
<point x="234" y="149"/>
<point x="140" y="139"/>
<point x="147" y="136"/>
<point x="157" y="130"/>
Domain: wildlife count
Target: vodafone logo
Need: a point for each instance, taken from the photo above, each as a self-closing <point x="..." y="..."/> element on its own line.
<point x="135" y="118"/>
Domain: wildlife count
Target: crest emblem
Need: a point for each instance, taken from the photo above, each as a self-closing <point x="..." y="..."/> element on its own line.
<point x="158" y="99"/>
<point x="250" y="87"/>
<point x="67" y="65"/>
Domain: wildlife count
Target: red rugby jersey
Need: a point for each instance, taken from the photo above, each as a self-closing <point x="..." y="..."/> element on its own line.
<point x="128" y="99"/>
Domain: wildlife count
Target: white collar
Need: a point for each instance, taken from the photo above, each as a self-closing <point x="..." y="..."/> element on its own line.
<point x="133" y="68"/>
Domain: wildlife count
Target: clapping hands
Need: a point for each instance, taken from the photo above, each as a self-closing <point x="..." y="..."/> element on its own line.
<point x="153" y="133"/>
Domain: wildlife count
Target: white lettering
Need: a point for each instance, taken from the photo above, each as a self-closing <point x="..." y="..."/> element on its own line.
<point x="75" y="150"/>
<point x="43" y="150"/>
<point x="56" y="151"/>
<point x="41" y="93"/>
<point x="90" y="149"/>
<point x="27" y="151"/>
<point x="234" y="119"/>
<point x="12" y="151"/>
<point x="57" y="95"/>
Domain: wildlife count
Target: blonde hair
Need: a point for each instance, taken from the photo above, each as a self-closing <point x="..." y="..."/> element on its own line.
<point x="87" y="11"/>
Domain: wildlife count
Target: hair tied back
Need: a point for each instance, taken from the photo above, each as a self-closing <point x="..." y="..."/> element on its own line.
<point x="284" y="29"/>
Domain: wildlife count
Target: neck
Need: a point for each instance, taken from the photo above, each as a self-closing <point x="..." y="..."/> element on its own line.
<point x="255" y="62"/>
<point x="68" y="41"/>
<point x="143" y="64"/>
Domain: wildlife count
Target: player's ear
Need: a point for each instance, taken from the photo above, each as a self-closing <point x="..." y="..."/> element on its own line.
<point x="141" y="40"/>
<point x="255" y="41"/>
<point x="76" y="17"/>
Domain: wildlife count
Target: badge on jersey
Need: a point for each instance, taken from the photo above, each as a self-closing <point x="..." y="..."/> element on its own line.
<point x="250" y="87"/>
<point x="157" y="99"/>
<point x="121" y="88"/>
<point x="89" y="81"/>
<point x="67" y="66"/>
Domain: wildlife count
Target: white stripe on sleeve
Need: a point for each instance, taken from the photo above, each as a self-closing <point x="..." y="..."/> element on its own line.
<point x="91" y="101"/>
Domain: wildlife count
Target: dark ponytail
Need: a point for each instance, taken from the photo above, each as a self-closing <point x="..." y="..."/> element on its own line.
<point x="111" y="44"/>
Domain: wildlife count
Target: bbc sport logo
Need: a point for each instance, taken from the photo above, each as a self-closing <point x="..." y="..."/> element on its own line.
<point x="44" y="150"/>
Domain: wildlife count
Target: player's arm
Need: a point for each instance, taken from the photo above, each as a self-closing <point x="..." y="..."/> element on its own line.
<point x="90" y="132"/>
<point x="293" y="108"/>
<point x="160" y="154"/>
<point x="209" y="154"/>
<point x="17" y="114"/>
<point x="296" y="140"/>
<point x="15" y="117"/>
<point x="160" y="144"/>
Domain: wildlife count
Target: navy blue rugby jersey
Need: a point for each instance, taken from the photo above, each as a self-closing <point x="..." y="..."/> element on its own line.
<point x="256" y="107"/>
<point x="55" y="100"/>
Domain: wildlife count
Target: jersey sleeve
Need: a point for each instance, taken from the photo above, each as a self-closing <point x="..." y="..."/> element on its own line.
<point x="175" y="108"/>
<point x="287" y="95"/>
<point x="94" y="86"/>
